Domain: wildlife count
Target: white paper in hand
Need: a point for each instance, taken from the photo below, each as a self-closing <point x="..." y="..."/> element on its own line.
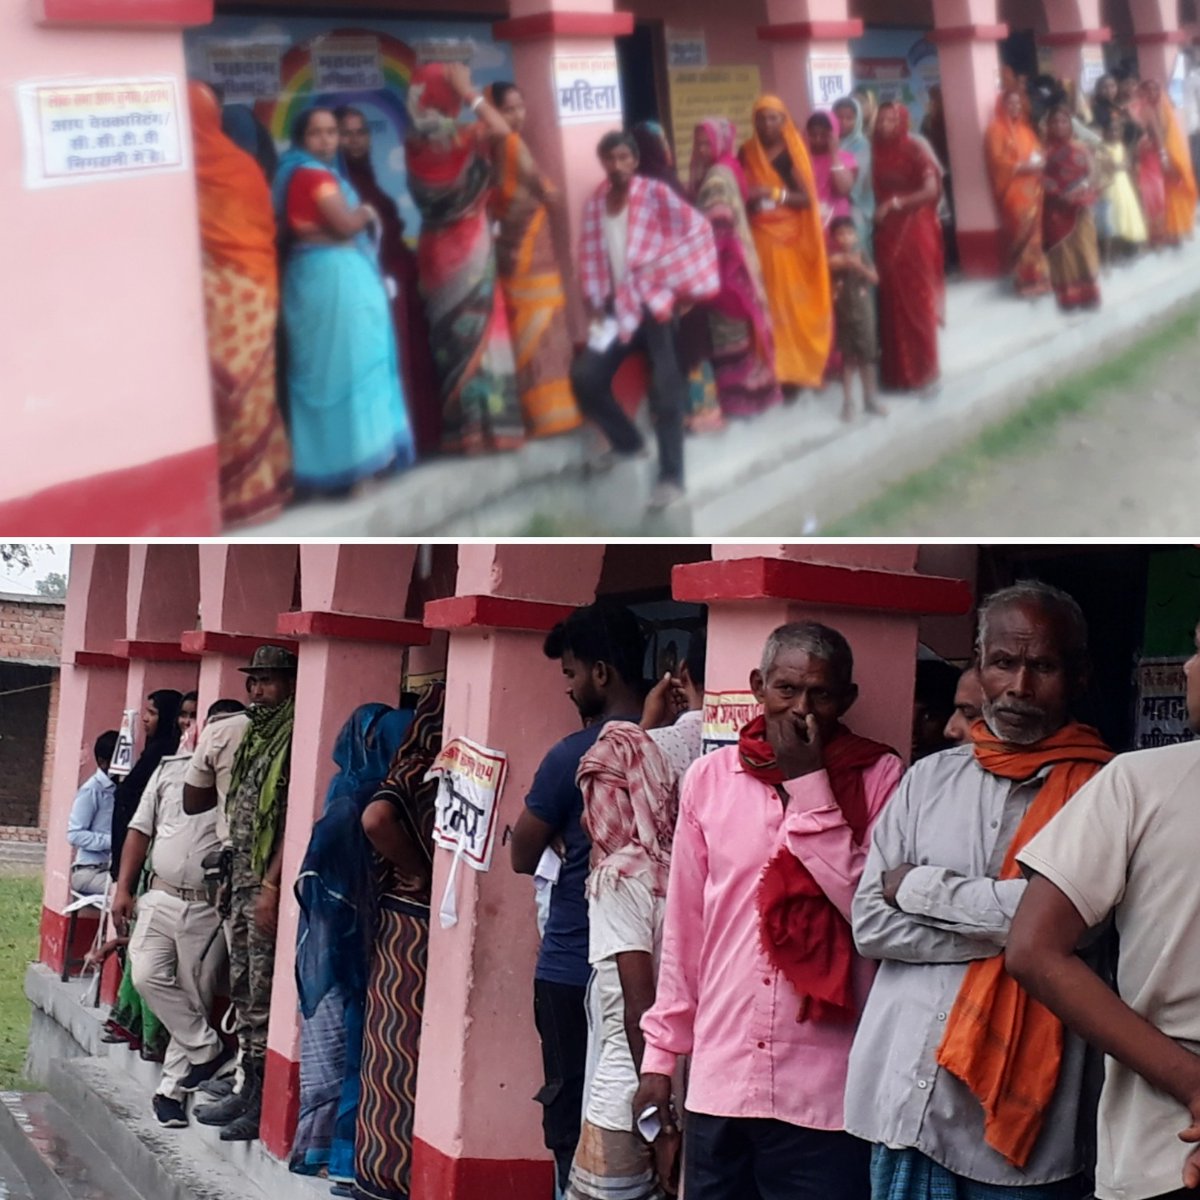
<point x="602" y="334"/>
<point x="548" y="868"/>
<point x="648" y="1123"/>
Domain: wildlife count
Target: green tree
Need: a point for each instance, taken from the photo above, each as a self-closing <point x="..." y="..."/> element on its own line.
<point x="53" y="586"/>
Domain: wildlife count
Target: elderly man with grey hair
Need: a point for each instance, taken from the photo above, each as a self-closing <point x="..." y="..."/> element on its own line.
<point x="759" y="980"/>
<point x="966" y="1088"/>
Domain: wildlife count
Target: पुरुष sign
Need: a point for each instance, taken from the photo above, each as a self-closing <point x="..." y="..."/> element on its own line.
<point x="470" y="779"/>
<point x="830" y="77"/>
<point x="81" y="132"/>
<point x="587" y="88"/>
<point x="725" y="714"/>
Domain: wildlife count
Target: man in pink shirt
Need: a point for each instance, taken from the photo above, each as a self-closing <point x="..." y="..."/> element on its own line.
<point x="759" y="981"/>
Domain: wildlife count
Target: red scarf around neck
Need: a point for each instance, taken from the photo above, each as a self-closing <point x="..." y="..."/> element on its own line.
<point x="803" y="934"/>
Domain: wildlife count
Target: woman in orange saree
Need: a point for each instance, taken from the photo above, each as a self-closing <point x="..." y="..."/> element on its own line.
<point x="241" y="304"/>
<point x="522" y="202"/>
<point x="1014" y="163"/>
<point x="785" y="221"/>
<point x="1166" y="141"/>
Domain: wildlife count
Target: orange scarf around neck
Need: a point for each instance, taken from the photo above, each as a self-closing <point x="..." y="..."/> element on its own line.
<point x="1004" y="1045"/>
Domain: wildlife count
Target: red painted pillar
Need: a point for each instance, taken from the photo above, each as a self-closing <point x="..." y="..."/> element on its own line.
<point x="478" y="1131"/>
<point x="806" y="38"/>
<point x="966" y="35"/>
<point x="543" y="32"/>
<point x="1077" y="33"/>
<point x="352" y="636"/>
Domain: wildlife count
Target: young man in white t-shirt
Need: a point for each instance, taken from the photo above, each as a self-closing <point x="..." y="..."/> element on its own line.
<point x="1125" y="846"/>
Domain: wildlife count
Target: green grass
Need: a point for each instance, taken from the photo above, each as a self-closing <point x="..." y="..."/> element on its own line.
<point x="1016" y="434"/>
<point x="20" y="911"/>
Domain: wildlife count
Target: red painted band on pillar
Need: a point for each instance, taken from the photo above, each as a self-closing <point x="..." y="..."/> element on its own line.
<point x="968" y="33"/>
<point x="437" y="1176"/>
<point x="1076" y="37"/>
<point x="115" y="503"/>
<point x="350" y="628"/>
<point x="168" y="13"/>
<point x="811" y="31"/>
<point x="153" y="651"/>
<point x="980" y="253"/>
<point x="564" y="24"/>
<point x="281" y="1104"/>
<point x="210" y="641"/>
<point x="96" y="658"/>
<point x="495" y="612"/>
<point x="742" y="579"/>
<point x="1162" y="37"/>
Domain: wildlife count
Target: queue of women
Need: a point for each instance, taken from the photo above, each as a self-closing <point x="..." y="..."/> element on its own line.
<point x="830" y="249"/>
<point x="1081" y="185"/>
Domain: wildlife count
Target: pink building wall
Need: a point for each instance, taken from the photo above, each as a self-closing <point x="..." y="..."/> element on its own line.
<point x="103" y="345"/>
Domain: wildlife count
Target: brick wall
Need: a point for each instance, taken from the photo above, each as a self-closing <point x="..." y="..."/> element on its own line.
<point x="30" y="648"/>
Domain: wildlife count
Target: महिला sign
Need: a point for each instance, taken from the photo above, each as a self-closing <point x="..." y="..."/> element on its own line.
<point x="1162" y="716"/>
<point x="347" y="64"/>
<point x="103" y="129"/>
<point x="587" y="89"/>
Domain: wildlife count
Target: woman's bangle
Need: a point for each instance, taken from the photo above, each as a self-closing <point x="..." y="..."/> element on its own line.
<point x="476" y="103"/>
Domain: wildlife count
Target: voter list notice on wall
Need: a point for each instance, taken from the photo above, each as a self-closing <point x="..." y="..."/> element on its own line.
<point x="79" y="132"/>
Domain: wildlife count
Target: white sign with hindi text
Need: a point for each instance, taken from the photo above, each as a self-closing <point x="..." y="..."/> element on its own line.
<point x="347" y="64"/>
<point x="725" y="714"/>
<point x="587" y="89"/>
<point x="81" y="132"/>
<point x="686" y="48"/>
<point x="122" y="759"/>
<point x="245" y="71"/>
<point x="1162" y="715"/>
<point x="830" y="77"/>
<point x="1093" y="68"/>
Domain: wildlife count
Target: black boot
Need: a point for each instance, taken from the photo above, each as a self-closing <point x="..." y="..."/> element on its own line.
<point x="244" y="1127"/>
<point x="229" y="1108"/>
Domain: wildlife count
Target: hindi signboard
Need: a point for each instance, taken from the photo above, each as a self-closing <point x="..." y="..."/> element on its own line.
<point x="587" y="89"/>
<point x="122" y="759"/>
<point x="696" y="95"/>
<point x="830" y="77"/>
<point x="1162" y="717"/>
<point x="245" y="71"/>
<point x="470" y="779"/>
<point x="724" y="715"/>
<point x="80" y="132"/>
<point x="1093" y="68"/>
<point x="686" y="48"/>
<point x="347" y="64"/>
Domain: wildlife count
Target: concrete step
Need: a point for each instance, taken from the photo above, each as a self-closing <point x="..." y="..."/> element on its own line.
<point x="13" y="1185"/>
<point x="113" y="1108"/>
<point x="53" y="1157"/>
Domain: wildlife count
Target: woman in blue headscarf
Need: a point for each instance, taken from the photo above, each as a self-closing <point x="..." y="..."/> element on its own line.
<point x="336" y="893"/>
<point x="854" y="141"/>
<point x="348" y="420"/>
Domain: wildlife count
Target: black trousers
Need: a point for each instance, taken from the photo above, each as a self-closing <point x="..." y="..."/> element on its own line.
<point x="560" y="1013"/>
<point x="744" y="1158"/>
<point x="592" y="377"/>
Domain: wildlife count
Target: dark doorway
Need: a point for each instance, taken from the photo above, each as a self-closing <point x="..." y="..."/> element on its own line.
<point x="639" y="58"/>
<point x="1019" y="53"/>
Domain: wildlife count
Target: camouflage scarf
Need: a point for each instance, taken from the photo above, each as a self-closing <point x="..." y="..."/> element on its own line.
<point x="261" y="769"/>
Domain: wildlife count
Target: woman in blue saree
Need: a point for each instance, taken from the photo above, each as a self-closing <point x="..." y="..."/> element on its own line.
<point x="854" y="140"/>
<point x="346" y="407"/>
<point x="335" y="889"/>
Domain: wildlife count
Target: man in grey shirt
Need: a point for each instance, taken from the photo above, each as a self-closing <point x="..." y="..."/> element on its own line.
<point x="938" y="893"/>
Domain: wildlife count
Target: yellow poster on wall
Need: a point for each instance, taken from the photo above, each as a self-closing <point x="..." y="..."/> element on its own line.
<point x="710" y="92"/>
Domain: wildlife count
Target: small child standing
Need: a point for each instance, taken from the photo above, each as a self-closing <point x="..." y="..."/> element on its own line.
<point x="854" y="315"/>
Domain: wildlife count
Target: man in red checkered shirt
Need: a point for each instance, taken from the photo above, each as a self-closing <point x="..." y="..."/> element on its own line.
<point x="644" y="254"/>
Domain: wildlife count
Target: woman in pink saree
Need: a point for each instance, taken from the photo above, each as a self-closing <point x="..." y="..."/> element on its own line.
<point x="835" y="170"/>
<point x="739" y="328"/>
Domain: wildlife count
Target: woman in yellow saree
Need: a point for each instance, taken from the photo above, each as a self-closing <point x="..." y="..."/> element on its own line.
<point x="1159" y="118"/>
<point x="786" y="223"/>
<point x="529" y="277"/>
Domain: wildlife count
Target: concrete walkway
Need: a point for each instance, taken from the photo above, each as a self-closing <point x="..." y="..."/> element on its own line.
<point x="799" y="467"/>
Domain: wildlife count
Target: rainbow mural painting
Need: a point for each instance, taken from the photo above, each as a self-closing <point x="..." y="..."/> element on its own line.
<point x="297" y="78"/>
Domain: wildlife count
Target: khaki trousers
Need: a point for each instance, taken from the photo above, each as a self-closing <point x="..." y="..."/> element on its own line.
<point x="165" y="948"/>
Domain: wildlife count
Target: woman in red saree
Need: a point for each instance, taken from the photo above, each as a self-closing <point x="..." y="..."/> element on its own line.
<point x="908" y="253"/>
<point x="1165" y="161"/>
<point x="450" y="177"/>
<point x="1068" y="228"/>
<point x="241" y="304"/>
<point x="1015" y="165"/>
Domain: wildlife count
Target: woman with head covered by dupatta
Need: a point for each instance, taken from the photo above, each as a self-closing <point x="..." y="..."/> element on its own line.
<point x="345" y="403"/>
<point x="527" y="208"/>
<point x="450" y="178"/>
<point x="785" y="219"/>
<point x="908" y="253"/>
<point x="854" y="140"/>
<point x="241" y="308"/>
<point x="742" y="346"/>
<point x="1165" y="167"/>
<point x="1068" y="227"/>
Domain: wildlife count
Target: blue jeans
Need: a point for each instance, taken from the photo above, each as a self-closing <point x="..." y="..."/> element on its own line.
<point x="749" y="1158"/>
